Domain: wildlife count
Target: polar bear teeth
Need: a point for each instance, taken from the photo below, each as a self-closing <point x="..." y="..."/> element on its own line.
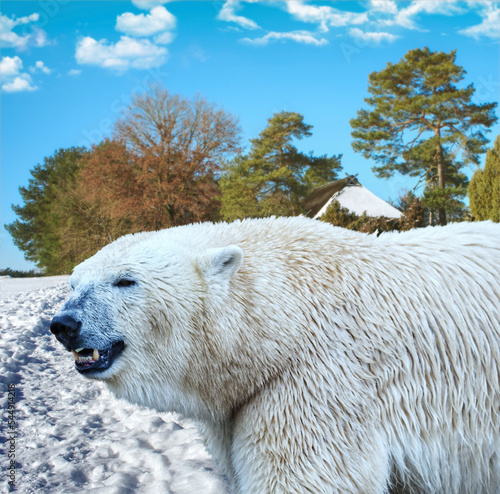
<point x="90" y="358"/>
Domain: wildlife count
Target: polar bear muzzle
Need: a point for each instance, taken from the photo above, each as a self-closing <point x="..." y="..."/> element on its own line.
<point x="87" y="360"/>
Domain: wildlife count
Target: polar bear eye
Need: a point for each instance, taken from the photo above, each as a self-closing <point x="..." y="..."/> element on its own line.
<point x="124" y="282"/>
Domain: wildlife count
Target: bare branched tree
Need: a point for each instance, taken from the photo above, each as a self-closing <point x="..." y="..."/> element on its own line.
<point x="161" y="168"/>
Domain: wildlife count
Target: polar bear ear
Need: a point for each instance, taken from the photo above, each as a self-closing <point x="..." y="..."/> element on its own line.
<point x="222" y="262"/>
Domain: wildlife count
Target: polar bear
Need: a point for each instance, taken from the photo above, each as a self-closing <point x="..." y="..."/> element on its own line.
<point x="316" y="359"/>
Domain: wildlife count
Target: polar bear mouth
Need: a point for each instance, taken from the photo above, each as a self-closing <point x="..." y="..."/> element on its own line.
<point x="96" y="360"/>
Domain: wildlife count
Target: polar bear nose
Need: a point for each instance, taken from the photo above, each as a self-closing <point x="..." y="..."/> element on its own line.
<point x="64" y="328"/>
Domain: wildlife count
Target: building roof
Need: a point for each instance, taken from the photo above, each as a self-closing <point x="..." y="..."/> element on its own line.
<point x="351" y="195"/>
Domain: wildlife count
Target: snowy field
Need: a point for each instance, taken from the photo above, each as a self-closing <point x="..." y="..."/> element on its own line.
<point x="71" y="434"/>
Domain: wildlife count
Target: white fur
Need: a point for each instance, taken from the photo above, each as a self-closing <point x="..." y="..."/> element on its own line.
<point x="317" y="360"/>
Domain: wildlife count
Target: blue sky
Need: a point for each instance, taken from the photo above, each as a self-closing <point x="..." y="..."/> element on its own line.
<point x="68" y="68"/>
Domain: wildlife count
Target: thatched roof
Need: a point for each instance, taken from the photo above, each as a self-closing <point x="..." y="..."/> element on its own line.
<point x="321" y="195"/>
<point x="351" y="195"/>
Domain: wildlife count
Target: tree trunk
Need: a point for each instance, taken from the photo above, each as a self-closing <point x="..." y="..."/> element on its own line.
<point x="440" y="156"/>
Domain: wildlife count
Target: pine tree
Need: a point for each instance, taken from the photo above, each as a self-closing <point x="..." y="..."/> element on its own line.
<point x="484" y="189"/>
<point x="417" y="116"/>
<point x="435" y="198"/>
<point x="274" y="178"/>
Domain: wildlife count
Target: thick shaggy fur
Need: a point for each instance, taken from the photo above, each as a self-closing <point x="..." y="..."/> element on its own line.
<point x="317" y="360"/>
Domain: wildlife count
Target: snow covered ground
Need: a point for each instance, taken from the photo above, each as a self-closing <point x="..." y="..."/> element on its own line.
<point x="72" y="434"/>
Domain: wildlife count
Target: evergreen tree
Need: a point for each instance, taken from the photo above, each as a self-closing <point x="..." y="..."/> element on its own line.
<point x="484" y="189"/>
<point x="414" y="212"/>
<point x="35" y="232"/>
<point x="274" y="178"/>
<point x="418" y="116"/>
<point x="436" y="198"/>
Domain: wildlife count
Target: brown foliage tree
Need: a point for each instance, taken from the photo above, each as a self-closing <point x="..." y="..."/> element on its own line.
<point x="175" y="149"/>
<point x="160" y="170"/>
<point x="85" y="217"/>
<point x="108" y="186"/>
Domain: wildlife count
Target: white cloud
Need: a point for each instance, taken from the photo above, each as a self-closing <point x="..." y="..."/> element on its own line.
<point x="372" y="37"/>
<point x="10" y="39"/>
<point x="490" y="27"/>
<point x="378" y="14"/>
<point x="138" y="48"/>
<point x="18" y="84"/>
<point x="74" y="72"/>
<point x="227" y="13"/>
<point x="14" y="80"/>
<point x="404" y="17"/>
<point x="158" y="20"/>
<point x="164" y="38"/>
<point x="298" y="36"/>
<point x="148" y="4"/>
<point x="40" y="67"/>
<point x="40" y="38"/>
<point x="388" y="6"/>
<point x="121" y="56"/>
<point x="325" y="16"/>
<point x="10" y="66"/>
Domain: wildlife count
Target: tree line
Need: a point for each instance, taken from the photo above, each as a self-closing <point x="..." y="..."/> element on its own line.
<point x="172" y="161"/>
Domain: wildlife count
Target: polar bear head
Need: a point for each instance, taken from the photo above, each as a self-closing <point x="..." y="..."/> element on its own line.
<point x="141" y="318"/>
